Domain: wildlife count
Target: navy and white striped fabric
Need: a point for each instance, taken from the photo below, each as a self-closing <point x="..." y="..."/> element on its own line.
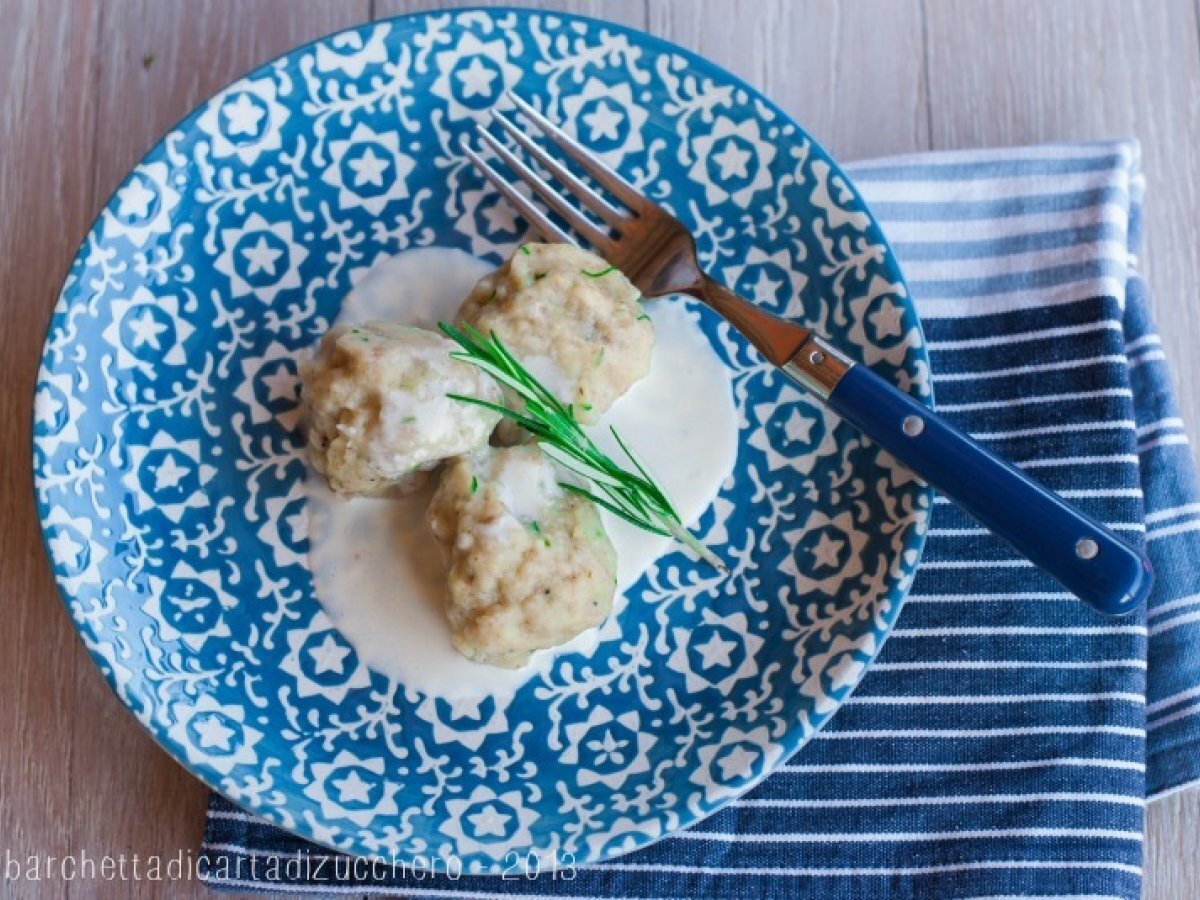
<point x="1006" y="741"/>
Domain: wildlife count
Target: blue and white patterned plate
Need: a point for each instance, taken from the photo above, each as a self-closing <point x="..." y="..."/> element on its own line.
<point x="168" y="474"/>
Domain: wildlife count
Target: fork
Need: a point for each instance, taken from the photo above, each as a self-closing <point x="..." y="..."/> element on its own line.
<point x="658" y="254"/>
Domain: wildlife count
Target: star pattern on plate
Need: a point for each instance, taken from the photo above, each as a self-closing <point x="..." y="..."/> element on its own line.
<point x="145" y="329"/>
<point x="368" y="168"/>
<point x="168" y="473"/>
<point x="330" y="656"/>
<point x="281" y="383"/>
<point x="716" y="651"/>
<point x="169" y="458"/>
<point x="47" y="406"/>
<point x="261" y="257"/>
<point x="213" y="733"/>
<point x="827" y="551"/>
<point x="603" y="122"/>
<point x="352" y="788"/>
<point x="732" y="160"/>
<point x="134" y="200"/>
<point x="63" y="546"/>
<point x="243" y="115"/>
<point x="476" y="79"/>
<point x="489" y="822"/>
<point x="888" y="320"/>
<point x="737" y="762"/>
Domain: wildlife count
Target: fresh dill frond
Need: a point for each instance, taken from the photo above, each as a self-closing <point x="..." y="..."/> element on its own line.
<point x="628" y="493"/>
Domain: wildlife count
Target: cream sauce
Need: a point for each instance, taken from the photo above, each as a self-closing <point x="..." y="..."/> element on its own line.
<point x="527" y="489"/>
<point x="376" y="568"/>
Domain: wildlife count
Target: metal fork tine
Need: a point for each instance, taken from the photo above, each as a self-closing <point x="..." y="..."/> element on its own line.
<point x="582" y="192"/>
<point x="532" y="214"/>
<point x="609" y="180"/>
<point x="573" y="217"/>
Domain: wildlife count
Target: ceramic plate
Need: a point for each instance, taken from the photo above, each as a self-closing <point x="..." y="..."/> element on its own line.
<point x="169" y="476"/>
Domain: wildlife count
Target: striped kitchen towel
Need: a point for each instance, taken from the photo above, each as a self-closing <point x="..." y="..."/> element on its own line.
<point x="1007" y="739"/>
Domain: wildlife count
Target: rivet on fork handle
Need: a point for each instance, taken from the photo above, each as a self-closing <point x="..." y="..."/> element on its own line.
<point x="818" y="366"/>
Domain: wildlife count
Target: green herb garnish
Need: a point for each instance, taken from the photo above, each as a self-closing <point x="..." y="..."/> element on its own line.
<point x="643" y="316"/>
<point x="474" y="484"/>
<point x="599" y="274"/>
<point x="630" y="494"/>
<point x="538" y="276"/>
<point x="537" y="529"/>
<point x="525" y="249"/>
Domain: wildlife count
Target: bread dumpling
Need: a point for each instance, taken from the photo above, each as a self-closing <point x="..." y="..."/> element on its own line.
<point x="571" y="319"/>
<point x="377" y="408"/>
<point x="530" y="564"/>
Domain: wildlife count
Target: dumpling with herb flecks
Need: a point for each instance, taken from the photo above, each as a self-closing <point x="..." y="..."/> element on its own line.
<point x="379" y="415"/>
<point x="530" y="564"/>
<point x="571" y="319"/>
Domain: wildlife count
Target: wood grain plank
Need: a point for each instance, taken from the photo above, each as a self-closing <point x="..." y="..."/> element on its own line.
<point x="161" y="58"/>
<point x="1172" y="862"/>
<point x="851" y="73"/>
<point x="626" y="12"/>
<point x="48" y="100"/>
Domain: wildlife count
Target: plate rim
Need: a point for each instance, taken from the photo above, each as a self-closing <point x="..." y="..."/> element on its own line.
<point x="791" y="742"/>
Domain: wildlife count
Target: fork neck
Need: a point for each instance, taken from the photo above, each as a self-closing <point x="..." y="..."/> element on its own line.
<point x="779" y="340"/>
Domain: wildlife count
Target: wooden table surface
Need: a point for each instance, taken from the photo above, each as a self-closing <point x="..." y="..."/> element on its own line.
<point x="87" y="86"/>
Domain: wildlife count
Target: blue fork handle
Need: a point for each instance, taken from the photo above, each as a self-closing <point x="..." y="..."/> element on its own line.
<point x="1088" y="559"/>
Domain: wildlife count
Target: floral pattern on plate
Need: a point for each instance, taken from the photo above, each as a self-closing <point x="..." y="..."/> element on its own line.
<point x="168" y="465"/>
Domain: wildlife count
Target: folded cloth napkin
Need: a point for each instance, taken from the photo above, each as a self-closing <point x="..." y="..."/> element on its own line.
<point x="1007" y="739"/>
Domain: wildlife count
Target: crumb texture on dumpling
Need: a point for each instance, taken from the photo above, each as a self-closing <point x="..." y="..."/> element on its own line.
<point x="530" y="564"/>
<point x="571" y="319"/>
<point x="378" y="414"/>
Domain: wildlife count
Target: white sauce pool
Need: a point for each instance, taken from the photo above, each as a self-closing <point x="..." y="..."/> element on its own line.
<point x="376" y="568"/>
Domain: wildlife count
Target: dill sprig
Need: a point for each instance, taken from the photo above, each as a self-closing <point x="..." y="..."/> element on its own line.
<point x="630" y="494"/>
